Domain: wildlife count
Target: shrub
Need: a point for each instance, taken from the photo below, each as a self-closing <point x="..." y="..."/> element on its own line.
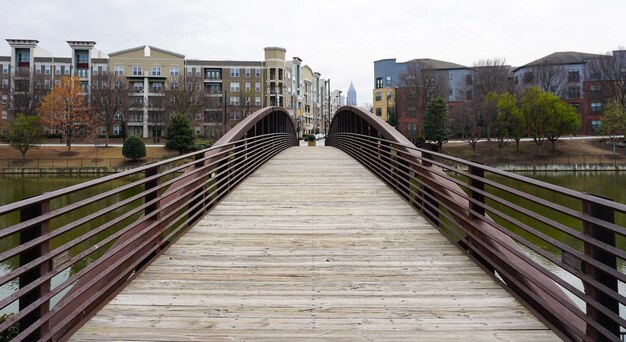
<point x="202" y="145"/>
<point x="11" y="332"/>
<point x="309" y="137"/>
<point x="134" y="148"/>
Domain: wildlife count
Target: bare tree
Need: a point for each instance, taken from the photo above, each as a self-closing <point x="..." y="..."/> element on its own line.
<point x="185" y="95"/>
<point x="27" y="90"/>
<point x="420" y="83"/>
<point x="466" y="123"/>
<point x="109" y="101"/>
<point x="610" y="69"/>
<point x="489" y="76"/>
<point x="551" y="78"/>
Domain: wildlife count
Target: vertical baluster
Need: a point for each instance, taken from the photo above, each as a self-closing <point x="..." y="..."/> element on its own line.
<point x="600" y="233"/>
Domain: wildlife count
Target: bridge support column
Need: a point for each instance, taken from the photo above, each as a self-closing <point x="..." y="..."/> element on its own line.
<point x="34" y="273"/>
<point x="604" y="235"/>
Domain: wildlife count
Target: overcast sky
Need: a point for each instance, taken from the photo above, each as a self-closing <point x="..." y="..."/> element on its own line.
<point x="338" y="38"/>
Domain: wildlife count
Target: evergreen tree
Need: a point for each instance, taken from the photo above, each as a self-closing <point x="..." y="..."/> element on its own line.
<point x="437" y="122"/>
<point x="134" y="148"/>
<point x="179" y="134"/>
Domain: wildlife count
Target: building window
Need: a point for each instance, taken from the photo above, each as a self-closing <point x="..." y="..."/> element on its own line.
<point x="5" y="115"/>
<point x="379" y="82"/>
<point x="137" y="70"/>
<point x="516" y="79"/>
<point x="5" y="99"/>
<point x="46" y="84"/>
<point x="411" y="130"/>
<point x="388" y="81"/>
<point x="469" y="79"/>
<point x="234" y="86"/>
<point x="189" y="71"/>
<point x="198" y="72"/>
<point x="573" y="92"/>
<point x="197" y="130"/>
<point x="248" y="72"/>
<point x="5" y="84"/>
<point x="595" y="88"/>
<point x="5" y="68"/>
<point x="66" y="70"/>
<point x="379" y="96"/>
<point x="46" y="69"/>
<point x="280" y="74"/>
<point x="450" y="92"/>
<point x="118" y="70"/>
<point x="257" y="101"/>
<point x="257" y="72"/>
<point x="37" y="69"/>
<point x="157" y="87"/>
<point x="529" y="77"/>
<point x="174" y="71"/>
<point x="596" y="106"/>
<point x="138" y="87"/>
<point x="247" y="86"/>
<point x="573" y="76"/>
<point x="234" y="72"/>
<point x="117" y="130"/>
<point x="57" y="83"/>
<point x="57" y="70"/>
<point x="234" y="100"/>
<point x="379" y="112"/>
<point x="257" y="87"/>
<point x="272" y="74"/>
<point x="595" y="125"/>
<point x="213" y="74"/>
<point x="156" y="70"/>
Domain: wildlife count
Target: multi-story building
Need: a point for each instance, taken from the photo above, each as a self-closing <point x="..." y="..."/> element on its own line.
<point x="565" y="75"/>
<point x="402" y="89"/>
<point x="351" y="100"/>
<point x="230" y="89"/>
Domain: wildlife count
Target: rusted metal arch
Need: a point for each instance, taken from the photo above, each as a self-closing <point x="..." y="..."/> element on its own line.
<point x="390" y="143"/>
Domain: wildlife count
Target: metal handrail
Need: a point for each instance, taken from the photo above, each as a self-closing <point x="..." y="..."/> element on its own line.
<point x="458" y="198"/>
<point x="111" y="235"/>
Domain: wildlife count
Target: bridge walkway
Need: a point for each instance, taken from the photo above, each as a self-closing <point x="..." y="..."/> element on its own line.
<point x="313" y="246"/>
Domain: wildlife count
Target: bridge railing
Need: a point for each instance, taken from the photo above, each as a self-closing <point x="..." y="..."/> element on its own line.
<point x="65" y="253"/>
<point x="562" y="254"/>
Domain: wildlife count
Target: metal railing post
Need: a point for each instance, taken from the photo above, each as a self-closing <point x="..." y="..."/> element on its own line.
<point x="475" y="184"/>
<point x="428" y="195"/>
<point x="35" y="273"/>
<point x="604" y="235"/>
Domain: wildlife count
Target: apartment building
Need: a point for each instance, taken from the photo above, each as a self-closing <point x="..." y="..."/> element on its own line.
<point x="398" y="89"/>
<point x="565" y="75"/>
<point x="573" y="76"/>
<point x="230" y="90"/>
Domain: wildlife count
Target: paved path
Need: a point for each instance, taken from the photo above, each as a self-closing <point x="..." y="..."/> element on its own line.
<point x="313" y="246"/>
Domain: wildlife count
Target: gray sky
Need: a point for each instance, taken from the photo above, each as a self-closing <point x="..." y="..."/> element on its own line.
<point x="339" y="39"/>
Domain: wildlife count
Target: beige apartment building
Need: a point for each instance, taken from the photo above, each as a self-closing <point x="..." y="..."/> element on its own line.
<point x="231" y="90"/>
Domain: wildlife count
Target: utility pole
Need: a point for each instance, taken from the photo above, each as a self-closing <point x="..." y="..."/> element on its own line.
<point x="328" y="117"/>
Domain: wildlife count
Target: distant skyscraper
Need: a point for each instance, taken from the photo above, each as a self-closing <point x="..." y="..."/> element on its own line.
<point x="351" y="95"/>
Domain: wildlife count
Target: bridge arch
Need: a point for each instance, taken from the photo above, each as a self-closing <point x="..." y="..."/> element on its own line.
<point x="423" y="179"/>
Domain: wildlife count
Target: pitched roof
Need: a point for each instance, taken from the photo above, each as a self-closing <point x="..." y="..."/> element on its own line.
<point x="437" y="64"/>
<point x="562" y="57"/>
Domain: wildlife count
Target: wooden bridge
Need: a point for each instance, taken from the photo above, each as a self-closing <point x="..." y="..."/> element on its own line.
<point x="255" y="239"/>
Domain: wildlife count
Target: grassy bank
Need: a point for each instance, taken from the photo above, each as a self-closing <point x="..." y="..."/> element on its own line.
<point x="567" y="151"/>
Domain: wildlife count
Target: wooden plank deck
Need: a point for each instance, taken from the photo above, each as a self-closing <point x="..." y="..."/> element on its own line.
<point x="313" y="246"/>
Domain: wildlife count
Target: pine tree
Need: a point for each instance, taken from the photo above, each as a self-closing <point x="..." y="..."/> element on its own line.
<point x="437" y="122"/>
<point x="180" y="135"/>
